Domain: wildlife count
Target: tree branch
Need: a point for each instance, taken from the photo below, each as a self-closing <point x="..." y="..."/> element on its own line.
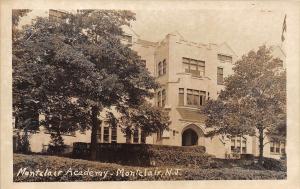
<point x="266" y="143"/>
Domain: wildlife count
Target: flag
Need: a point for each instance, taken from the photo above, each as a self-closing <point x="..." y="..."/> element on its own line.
<point x="283" y="29"/>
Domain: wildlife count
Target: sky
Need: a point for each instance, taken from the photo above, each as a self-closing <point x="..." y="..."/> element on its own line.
<point x="242" y="30"/>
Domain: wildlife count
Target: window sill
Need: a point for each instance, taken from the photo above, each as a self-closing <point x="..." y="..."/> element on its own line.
<point x="190" y="107"/>
<point x="193" y="76"/>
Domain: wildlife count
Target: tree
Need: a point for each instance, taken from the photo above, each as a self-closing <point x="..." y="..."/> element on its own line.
<point x="23" y="144"/>
<point x="17" y="14"/>
<point x="150" y="119"/>
<point x="253" y="101"/>
<point x="76" y="67"/>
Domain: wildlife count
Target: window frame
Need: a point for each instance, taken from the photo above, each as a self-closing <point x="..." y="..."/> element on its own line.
<point x="106" y="135"/>
<point x="220" y="76"/>
<point x="160" y="69"/>
<point x="224" y="58"/>
<point x="114" y="134"/>
<point x="277" y="147"/>
<point x="236" y="144"/>
<point x="181" y="97"/>
<point x="199" y="65"/>
<point x="164" y="67"/>
<point x="136" y="135"/>
<point x="163" y="97"/>
<point x="195" y="97"/>
<point x="159" y="98"/>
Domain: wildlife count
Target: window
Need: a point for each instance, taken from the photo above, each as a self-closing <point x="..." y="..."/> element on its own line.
<point x="136" y="136"/>
<point x="181" y="96"/>
<point x="143" y="137"/>
<point x="113" y="134"/>
<point x="106" y="134"/>
<point x="202" y="98"/>
<point x="208" y="96"/>
<point x="158" y="98"/>
<point x="164" y="67"/>
<point x="163" y="97"/>
<point x="195" y="67"/>
<point x="277" y="147"/>
<point x="190" y="97"/>
<point x="238" y="144"/>
<point x="233" y="142"/>
<point x="174" y="132"/>
<point x="195" y="97"/>
<point x="244" y="146"/>
<point x="272" y="147"/>
<point x="224" y="58"/>
<point x="99" y="134"/>
<point x="159" y="135"/>
<point x="220" y="76"/>
<point x="160" y="71"/>
<point x="128" y="136"/>
<point x="282" y="147"/>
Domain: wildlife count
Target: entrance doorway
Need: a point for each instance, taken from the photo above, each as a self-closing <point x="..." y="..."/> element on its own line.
<point x="189" y="138"/>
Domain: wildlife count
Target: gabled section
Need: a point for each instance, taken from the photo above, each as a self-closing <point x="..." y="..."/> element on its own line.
<point x="277" y="51"/>
<point x="225" y="49"/>
<point x="129" y="36"/>
<point x="176" y="33"/>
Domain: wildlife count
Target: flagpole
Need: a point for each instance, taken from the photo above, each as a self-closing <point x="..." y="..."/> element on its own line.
<point x="283" y="31"/>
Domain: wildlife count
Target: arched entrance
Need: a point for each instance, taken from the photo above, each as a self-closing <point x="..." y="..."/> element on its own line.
<point x="189" y="138"/>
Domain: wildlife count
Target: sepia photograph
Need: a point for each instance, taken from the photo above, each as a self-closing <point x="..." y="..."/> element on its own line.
<point x="133" y="94"/>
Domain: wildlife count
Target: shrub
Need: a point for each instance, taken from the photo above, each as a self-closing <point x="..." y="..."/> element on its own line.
<point x="144" y="154"/>
<point x="274" y="164"/>
<point x="23" y="144"/>
<point x="247" y="156"/>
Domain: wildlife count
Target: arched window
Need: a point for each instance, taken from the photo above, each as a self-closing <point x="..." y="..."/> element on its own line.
<point x="164" y="67"/>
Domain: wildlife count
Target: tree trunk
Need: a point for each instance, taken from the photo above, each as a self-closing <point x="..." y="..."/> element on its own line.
<point x="94" y="136"/>
<point x="261" y="145"/>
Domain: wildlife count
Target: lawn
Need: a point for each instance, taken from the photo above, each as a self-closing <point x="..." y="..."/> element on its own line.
<point x="42" y="168"/>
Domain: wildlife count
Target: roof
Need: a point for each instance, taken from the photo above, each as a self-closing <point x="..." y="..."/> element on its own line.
<point x="144" y="42"/>
<point x="193" y="115"/>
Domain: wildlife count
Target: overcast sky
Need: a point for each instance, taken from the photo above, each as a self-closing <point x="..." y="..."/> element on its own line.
<point x="242" y="30"/>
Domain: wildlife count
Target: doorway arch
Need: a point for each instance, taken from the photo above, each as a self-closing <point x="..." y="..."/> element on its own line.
<point x="189" y="138"/>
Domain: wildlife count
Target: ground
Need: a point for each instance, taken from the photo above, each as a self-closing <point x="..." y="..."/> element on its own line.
<point x="42" y="168"/>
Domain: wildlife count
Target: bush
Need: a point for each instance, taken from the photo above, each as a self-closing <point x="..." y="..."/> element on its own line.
<point x="23" y="144"/>
<point x="274" y="164"/>
<point x="247" y="156"/>
<point x="56" y="150"/>
<point x="144" y="154"/>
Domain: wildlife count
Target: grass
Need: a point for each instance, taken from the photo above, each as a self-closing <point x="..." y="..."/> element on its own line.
<point x="115" y="172"/>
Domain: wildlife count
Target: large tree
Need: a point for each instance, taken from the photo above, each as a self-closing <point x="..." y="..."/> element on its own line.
<point x="253" y="101"/>
<point x="73" y="68"/>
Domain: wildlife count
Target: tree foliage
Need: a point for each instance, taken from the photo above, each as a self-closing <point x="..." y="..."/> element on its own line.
<point x="17" y="14"/>
<point x="73" y="68"/>
<point x="254" y="100"/>
<point x="150" y="119"/>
